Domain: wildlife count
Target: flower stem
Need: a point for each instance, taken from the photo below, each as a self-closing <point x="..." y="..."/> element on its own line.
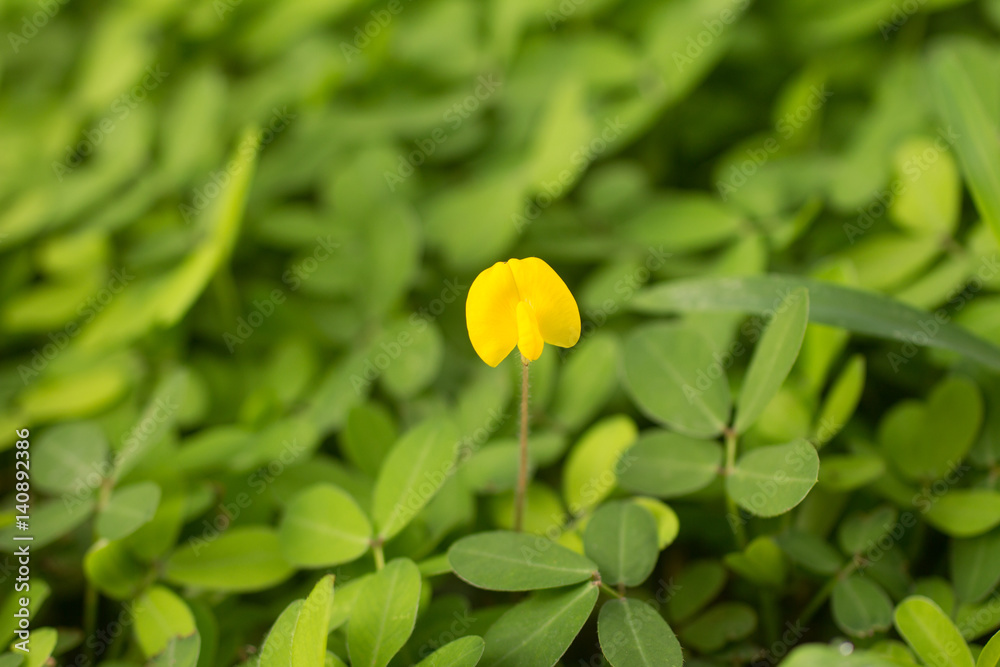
<point x="522" y="470"/>
<point x="736" y="521"/>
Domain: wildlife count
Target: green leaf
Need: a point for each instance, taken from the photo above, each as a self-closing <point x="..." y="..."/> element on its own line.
<point x="50" y="520"/>
<point x="241" y="559"/>
<point x="771" y="480"/>
<point x="810" y="552"/>
<point x="70" y="458"/>
<point x="323" y="526"/>
<point x="621" y="537"/>
<point x="37" y="594"/>
<point x="308" y="641"/>
<point x="931" y="634"/>
<point x="673" y="377"/>
<point x="973" y="566"/>
<point x="761" y="562"/>
<point x="590" y="472"/>
<point x="847" y="472"/>
<point x="924" y="441"/>
<point x="43" y="643"/>
<point x="860" y="607"/>
<point x="160" y="616"/>
<point x="773" y="358"/>
<point x="114" y="570"/>
<point x="632" y="634"/>
<point x="463" y="652"/>
<point x="965" y="512"/>
<point x="412" y="473"/>
<point x="973" y="127"/>
<point x="840" y="401"/>
<point x="384" y="614"/>
<point x="990" y="655"/>
<point x="667" y="523"/>
<point x="855" y="310"/>
<point x="861" y="531"/>
<point x="931" y="204"/>
<point x="508" y="561"/>
<point x="586" y="380"/>
<point x="538" y="630"/>
<point x="276" y="650"/>
<point x="668" y="465"/>
<point x="723" y="623"/>
<point x="368" y="436"/>
<point x="697" y="585"/>
<point x="180" y="652"/>
<point x="129" y="508"/>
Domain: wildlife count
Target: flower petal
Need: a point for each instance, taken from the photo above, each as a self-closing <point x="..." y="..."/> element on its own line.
<point x="554" y="305"/>
<point x="491" y="313"/>
<point x="529" y="338"/>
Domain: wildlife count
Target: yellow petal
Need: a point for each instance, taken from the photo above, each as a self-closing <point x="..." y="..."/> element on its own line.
<point x="529" y="338"/>
<point x="552" y="302"/>
<point x="491" y="313"/>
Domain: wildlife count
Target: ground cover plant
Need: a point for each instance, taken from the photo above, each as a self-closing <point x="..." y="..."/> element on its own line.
<point x="242" y="419"/>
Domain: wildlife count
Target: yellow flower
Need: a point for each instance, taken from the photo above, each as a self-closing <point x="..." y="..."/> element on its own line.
<point x="520" y="302"/>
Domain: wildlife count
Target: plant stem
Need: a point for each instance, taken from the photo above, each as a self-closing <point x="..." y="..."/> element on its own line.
<point x="610" y="591"/>
<point x="737" y="521"/>
<point x="89" y="616"/>
<point x="522" y="470"/>
<point x="823" y="593"/>
<point x="379" y="554"/>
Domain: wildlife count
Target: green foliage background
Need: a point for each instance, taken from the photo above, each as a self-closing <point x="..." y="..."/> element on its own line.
<point x="236" y="240"/>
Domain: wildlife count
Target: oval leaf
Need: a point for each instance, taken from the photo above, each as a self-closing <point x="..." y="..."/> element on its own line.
<point x="128" y="509"/>
<point x="242" y="559"/>
<point x="464" y="652"/>
<point x="159" y="617"/>
<point x="412" y="473"/>
<point x="384" y="614"/>
<point x="508" y="561"/>
<point x="860" y="606"/>
<point x="632" y="634"/>
<point x="773" y="358"/>
<point x="622" y="539"/>
<point x="672" y="375"/>
<point x="931" y="634"/>
<point x="769" y="481"/>
<point x="668" y="465"/>
<point x="323" y="526"/>
<point x="539" y="630"/>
